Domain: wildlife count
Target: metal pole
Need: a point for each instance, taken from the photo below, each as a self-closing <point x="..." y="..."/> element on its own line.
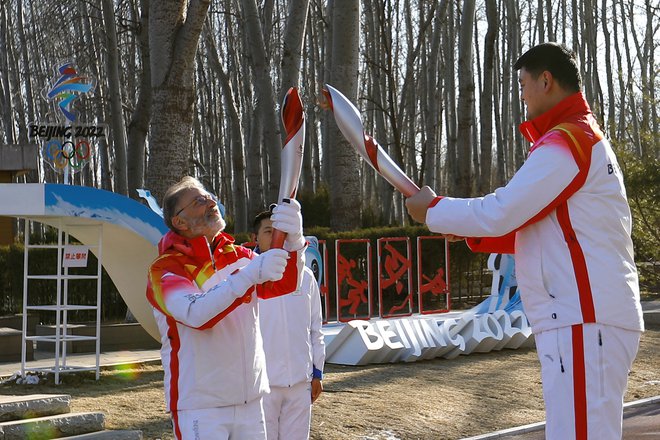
<point x="26" y="246"/>
<point x="99" y="268"/>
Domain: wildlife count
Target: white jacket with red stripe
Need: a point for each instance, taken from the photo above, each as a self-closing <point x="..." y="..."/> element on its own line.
<point x="566" y="217"/>
<point x="291" y="331"/>
<point x="212" y="349"/>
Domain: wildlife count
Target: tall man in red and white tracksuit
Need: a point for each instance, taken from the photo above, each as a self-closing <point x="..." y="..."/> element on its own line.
<point x="294" y="347"/>
<point x="565" y="216"/>
<point x="204" y="290"/>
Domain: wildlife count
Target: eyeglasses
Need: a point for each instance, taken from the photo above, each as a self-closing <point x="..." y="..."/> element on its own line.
<point x="200" y="200"/>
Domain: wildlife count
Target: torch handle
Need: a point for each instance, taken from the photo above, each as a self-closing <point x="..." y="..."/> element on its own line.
<point x="277" y="241"/>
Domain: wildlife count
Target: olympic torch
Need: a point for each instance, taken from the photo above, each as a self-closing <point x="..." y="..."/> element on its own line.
<point x="350" y="124"/>
<point x="293" y="119"/>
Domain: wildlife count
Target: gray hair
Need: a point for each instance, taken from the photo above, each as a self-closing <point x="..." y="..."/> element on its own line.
<point x="172" y="196"/>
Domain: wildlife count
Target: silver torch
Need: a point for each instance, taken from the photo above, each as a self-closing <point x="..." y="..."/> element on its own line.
<point x="350" y="124"/>
<point x="293" y="119"/>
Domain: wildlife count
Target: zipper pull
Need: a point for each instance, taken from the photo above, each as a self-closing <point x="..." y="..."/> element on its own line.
<point x="600" y="339"/>
<point x="561" y="364"/>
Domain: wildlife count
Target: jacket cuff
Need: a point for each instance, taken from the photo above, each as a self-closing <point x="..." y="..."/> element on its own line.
<point x="435" y="201"/>
<point x="316" y="373"/>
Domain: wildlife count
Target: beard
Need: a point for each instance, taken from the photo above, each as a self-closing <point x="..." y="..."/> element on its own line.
<point x="211" y="223"/>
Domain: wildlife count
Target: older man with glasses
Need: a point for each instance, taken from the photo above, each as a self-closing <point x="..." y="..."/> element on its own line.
<point x="204" y="290"/>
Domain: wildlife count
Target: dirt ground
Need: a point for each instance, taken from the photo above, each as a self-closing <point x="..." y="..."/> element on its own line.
<point x="438" y="399"/>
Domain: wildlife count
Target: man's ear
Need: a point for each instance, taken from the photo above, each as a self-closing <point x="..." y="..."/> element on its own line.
<point x="548" y="80"/>
<point x="253" y="236"/>
<point x="179" y="223"/>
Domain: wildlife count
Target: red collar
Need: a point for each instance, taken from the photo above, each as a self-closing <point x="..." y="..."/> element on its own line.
<point x="572" y="108"/>
<point x="198" y="246"/>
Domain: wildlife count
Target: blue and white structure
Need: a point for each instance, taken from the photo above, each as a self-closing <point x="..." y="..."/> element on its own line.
<point x="130" y="232"/>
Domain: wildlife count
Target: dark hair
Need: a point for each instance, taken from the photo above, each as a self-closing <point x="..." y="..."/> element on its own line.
<point x="557" y="59"/>
<point x="256" y="224"/>
<point x="172" y="195"/>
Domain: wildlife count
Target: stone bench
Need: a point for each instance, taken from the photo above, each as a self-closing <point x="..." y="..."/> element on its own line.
<point x="10" y="346"/>
<point x="16" y="321"/>
<point x="114" y="337"/>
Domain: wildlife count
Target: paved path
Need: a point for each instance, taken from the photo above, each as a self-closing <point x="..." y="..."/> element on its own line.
<point x="641" y="421"/>
<point x="641" y="418"/>
<point x="106" y="359"/>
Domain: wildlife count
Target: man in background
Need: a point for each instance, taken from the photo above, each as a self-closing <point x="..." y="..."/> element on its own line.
<point x="294" y="347"/>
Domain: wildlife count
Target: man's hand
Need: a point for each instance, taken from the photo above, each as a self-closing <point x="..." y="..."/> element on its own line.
<point x="268" y="266"/>
<point x="286" y="217"/>
<point x="317" y="388"/>
<point x="419" y="203"/>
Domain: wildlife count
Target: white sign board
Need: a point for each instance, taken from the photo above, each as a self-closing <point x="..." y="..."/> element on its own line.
<point x="75" y="256"/>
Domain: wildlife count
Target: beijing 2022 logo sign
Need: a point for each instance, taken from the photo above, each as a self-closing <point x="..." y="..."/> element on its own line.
<point x="67" y="145"/>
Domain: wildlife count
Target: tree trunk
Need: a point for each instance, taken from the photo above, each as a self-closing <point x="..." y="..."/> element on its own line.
<point x="653" y="70"/>
<point x="636" y="137"/>
<point x="344" y="178"/>
<point x="464" y="176"/>
<point x="516" y="112"/>
<point x="433" y="103"/>
<point x="6" y="87"/>
<point x="327" y="121"/>
<point x="294" y="35"/>
<point x="119" y="132"/>
<point x="235" y="139"/>
<point x="264" y="96"/>
<point x="486" y="107"/>
<point x="450" y="102"/>
<point x="550" y="21"/>
<point x="138" y="127"/>
<point x="174" y="29"/>
<point x="610" y="122"/>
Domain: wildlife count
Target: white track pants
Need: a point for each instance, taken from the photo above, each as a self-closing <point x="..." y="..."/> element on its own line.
<point x="585" y="369"/>
<point x="238" y="422"/>
<point x="288" y="412"/>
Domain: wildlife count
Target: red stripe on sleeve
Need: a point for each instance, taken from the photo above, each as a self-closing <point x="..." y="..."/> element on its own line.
<point x="237" y="302"/>
<point x="498" y="245"/>
<point x="580" y="146"/>
<point x="287" y="284"/>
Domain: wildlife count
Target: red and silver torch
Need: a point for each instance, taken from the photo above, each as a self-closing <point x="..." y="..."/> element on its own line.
<point x="293" y="119"/>
<point x="349" y="122"/>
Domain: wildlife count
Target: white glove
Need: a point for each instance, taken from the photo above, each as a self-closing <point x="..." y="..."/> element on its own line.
<point x="286" y="217"/>
<point x="268" y="266"/>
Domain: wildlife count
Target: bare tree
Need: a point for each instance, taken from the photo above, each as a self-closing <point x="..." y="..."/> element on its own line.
<point x="235" y="139"/>
<point x="294" y="35"/>
<point x="464" y="176"/>
<point x="138" y="127"/>
<point x="271" y="134"/>
<point x="119" y="143"/>
<point x="486" y="103"/>
<point x="174" y="29"/>
<point x="7" y="93"/>
<point x="344" y="178"/>
<point x="215" y="109"/>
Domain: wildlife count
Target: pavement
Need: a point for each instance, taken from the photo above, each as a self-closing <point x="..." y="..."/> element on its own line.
<point x="641" y="418"/>
<point x="106" y="360"/>
<point x="641" y="421"/>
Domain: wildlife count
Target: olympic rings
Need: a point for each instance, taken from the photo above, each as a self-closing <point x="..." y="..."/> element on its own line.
<point x="63" y="154"/>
